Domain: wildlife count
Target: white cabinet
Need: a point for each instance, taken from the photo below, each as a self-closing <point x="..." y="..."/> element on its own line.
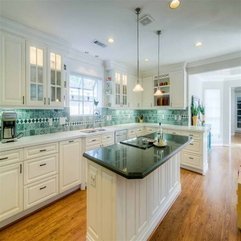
<point x="115" y="87"/>
<point x="147" y="94"/>
<point x="12" y="70"/>
<point x="178" y="89"/>
<point x="36" y="74"/>
<point x="173" y="84"/>
<point x="163" y="83"/>
<point x="44" y="77"/>
<point x="40" y="173"/>
<point x="56" y="79"/>
<point x="70" y="164"/>
<point x="11" y="183"/>
<point x="134" y="98"/>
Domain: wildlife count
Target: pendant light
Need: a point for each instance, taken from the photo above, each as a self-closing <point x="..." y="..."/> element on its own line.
<point x="138" y="87"/>
<point x="158" y="91"/>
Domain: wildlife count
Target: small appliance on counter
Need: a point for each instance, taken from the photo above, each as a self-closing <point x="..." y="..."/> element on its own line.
<point x="8" y="129"/>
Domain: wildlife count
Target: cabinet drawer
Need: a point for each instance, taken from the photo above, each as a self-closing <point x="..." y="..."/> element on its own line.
<point x="107" y="138"/>
<point x="93" y="142"/>
<point x="40" y="150"/>
<point x="39" y="168"/>
<point x="194" y="135"/>
<point x="191" y="160"/>
<point x="140" y="132"/>
<point x="195" y="145"/>
<point x="10" y="157"/>
<point x="37" y="193"/>
<point x="173" y="132"/>
<point x="150" y="130"/>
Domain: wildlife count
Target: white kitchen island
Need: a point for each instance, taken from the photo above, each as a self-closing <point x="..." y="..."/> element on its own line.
<point x="123" y="204"/>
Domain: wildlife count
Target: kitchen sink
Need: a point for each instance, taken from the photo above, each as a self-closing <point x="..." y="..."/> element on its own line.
<point x="92" y="130"/>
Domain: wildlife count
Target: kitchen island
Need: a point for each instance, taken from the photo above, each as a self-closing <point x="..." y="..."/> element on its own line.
<point x="131" y="189"/>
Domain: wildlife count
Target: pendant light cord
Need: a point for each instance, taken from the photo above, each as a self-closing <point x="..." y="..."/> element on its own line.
<point x="158" y="32"/>
<point x="138" y="44"/>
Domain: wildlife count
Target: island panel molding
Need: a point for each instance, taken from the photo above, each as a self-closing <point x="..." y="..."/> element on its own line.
<point x="129" y="209"/>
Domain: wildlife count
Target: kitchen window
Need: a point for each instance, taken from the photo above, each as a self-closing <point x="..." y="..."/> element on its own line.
<point x="83" y="90"/>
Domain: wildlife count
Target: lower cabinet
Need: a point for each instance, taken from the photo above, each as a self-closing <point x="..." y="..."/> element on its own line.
<point x="70" y="164"/>
<point x="40" y="173"/>
<point x="11" y="183"/>
<point x="36" y="193"/>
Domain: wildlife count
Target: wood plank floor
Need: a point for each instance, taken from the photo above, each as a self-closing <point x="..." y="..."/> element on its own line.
<point x="204" y="211"/>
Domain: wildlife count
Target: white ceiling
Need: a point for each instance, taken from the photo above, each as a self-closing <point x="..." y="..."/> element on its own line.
<point x="217" y="23"/>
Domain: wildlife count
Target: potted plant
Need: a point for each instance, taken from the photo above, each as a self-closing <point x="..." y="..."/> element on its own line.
<point x="195" y="111"/>
<point x="202" y="112"/>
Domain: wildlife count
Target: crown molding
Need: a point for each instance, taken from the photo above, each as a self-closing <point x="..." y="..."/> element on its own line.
<point x="215" y="63"/>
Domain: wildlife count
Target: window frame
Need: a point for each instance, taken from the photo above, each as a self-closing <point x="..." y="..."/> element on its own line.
<point x="98" y="84"/>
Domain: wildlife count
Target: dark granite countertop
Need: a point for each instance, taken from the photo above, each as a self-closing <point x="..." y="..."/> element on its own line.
<point x="135" y="163"/>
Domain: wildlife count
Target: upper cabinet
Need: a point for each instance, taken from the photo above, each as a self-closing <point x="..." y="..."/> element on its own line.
<point x="147" y="94"/>
<point x="115" y="87"/>
<point x="163" y="83"/>
<point x="173" y="85"/>
<point x="178" y="89"/>
<point x="36" y="74"/>
<point x="44" y="77"/>
<point x="31" y="74"/>
<point x="12" y="70"/>
<point x="56" y="85"/>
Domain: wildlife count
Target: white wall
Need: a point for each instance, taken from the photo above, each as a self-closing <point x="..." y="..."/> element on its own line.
<point x="217" y="85"/>
<point x="227" y="109"/>
<point x="195" y="87"/>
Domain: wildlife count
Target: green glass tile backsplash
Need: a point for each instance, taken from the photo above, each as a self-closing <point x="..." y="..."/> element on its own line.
<point x="37" y="122"/>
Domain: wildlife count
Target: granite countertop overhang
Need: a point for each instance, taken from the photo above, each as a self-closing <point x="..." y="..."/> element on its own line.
<point x="134" y="163"/>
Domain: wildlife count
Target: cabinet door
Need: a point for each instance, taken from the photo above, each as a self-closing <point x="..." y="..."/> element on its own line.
<point x="12" y="70"/>
<point x="11" y="190"/>
<point x="56" y="86"/>
<point x="70" y="164"/>
<point x="36" y="75"/>
<point x="178" y="89"/>
<point x="134" y="98"/>
<point x="147" y="94"/>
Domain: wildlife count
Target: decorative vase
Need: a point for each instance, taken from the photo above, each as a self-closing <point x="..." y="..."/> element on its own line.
<point x="195" y="120"/>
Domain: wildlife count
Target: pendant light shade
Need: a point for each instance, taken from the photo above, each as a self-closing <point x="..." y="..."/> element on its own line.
<point x="138" y="87"/>
<point x="158" y="91"/>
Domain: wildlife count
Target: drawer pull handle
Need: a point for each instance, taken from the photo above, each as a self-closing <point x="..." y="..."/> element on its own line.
<point x="93" y="140"/>
<point x="42" y="150"/>
<point x="41" y="188"/>
<point x="191" y="158"/>
<point x="4" y="158"/>
<point x="190" y="135"/>
<point x="44" y="164"/>
<point x="191" y="144"/>
<point x="71" y="141"/>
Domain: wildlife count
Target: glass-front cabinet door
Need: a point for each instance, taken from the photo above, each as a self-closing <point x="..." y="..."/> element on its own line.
<point x="36" y="75"/>
<point x="117" y="89"/>
<point x="124" y="90"/>
<point x="56" y="80"/>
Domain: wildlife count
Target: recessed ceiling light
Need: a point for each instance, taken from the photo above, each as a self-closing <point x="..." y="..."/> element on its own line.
<point x="110" y="40"/>
<point x="146" y="60"/>
<point x="174" y="4"/>
<point x="198" y="44"/>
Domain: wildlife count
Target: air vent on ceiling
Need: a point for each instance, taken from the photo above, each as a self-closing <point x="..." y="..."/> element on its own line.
<point x="99" y="43"/>
<point x="146" y="19"/>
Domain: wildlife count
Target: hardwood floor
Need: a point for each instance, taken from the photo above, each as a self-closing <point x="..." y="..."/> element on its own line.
<point x="204" y="211"/>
